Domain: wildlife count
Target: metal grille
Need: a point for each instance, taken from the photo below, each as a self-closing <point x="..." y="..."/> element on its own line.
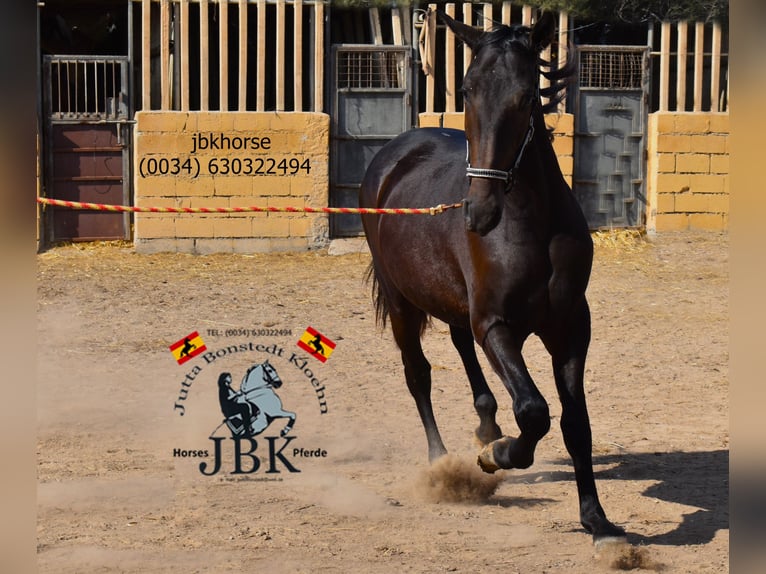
<point x="612" y="70"/>
<point x="371" y="69"/>
<point x="86" y="88"/>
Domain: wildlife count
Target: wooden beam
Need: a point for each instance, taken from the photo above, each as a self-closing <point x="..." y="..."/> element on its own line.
<point x="430" y="46"/>
<point x="681" y="52"/>
<point x="488" y="23"/>
<point x="563" y="50"/>
<point x="664" y="66"/>
<point x="449" y="62"/>
<point x="467" y="20"/>
<point x="184" y="41"/>
<point x="165" y="70"/>
<point x="377" y="34"/>
<point x="396" y="26"/>
<point x="715" y="69"/>
<point x="506" y="18"/>
<point x="223" y="55"/>
<point x="699" y="56"/>
<point x="204" y="55"/>
<point x="146" y="55"/>
<point x="298" y="55"/>
<point x="242" y="92"/>
<point x="319" y="57"/>
<point x="526" y="15"/>
<point x="260" y="104"/>
<point x="280" y="62"/>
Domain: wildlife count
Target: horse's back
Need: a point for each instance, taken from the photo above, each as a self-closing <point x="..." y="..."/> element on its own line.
<point x="415" y="161"/>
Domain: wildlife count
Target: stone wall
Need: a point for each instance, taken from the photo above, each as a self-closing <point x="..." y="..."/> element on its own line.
<point x="688" y="171"/>
<point x="231" y="159"/>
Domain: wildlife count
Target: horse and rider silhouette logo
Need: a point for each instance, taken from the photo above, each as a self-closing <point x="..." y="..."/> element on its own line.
<point x="251" y="409"/>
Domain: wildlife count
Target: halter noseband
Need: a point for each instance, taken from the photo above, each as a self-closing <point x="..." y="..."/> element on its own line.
<point x="506" y="177"/>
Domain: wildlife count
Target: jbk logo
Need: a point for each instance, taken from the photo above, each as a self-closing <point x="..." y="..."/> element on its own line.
<point x="255" y="405"/>
<point x="256" y="432"/>
<point x="248" y="412"/>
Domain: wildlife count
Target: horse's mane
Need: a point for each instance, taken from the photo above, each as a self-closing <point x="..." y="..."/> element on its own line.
<point x="516" y="37"/>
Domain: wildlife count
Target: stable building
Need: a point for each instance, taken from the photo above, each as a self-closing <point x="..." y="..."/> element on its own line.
<point x="216" y="106"/>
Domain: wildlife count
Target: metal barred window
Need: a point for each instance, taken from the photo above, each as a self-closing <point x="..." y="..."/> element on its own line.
<point x="610" y="69"/>
<point x="368" y="69"/>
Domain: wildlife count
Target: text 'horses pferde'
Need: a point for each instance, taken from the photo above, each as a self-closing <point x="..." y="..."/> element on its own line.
<point x="517" y="263"/>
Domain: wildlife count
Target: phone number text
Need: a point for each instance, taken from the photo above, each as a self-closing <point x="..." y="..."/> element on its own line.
<point x="194" y="168"/>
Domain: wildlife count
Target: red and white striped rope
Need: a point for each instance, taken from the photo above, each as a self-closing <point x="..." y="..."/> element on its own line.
<point x="356" y="210"/>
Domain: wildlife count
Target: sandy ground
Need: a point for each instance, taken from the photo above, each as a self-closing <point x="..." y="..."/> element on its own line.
<point x="116" y="495"/>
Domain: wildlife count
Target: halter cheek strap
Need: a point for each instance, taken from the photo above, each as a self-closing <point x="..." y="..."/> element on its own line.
<point x="506" y="177"/>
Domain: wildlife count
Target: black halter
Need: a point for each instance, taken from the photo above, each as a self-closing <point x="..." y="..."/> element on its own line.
<point x="505" y="176"/>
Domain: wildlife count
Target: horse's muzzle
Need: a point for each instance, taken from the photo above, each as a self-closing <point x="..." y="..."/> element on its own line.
<point x="480" y="218"/>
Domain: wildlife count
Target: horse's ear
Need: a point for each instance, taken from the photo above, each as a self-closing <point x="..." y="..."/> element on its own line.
<point x="542" y="33"/>
<point x="468" y="34"/>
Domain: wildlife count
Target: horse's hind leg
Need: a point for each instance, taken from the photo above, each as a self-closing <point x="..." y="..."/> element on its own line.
<point x="483" y="400"/>
<point x="407" y="323"/>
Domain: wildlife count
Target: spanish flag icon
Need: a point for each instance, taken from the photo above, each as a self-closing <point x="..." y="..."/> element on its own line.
<point x="319" y="346"/>
<point x="188" y="347"/>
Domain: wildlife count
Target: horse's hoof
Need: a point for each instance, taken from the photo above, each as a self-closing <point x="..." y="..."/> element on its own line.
<point x="486" y="458"/>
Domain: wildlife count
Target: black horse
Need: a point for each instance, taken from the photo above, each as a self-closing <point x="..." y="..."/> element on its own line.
<point x="518" y="264"/>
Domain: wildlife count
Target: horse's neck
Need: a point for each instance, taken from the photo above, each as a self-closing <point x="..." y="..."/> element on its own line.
<point x="254" y="379"/>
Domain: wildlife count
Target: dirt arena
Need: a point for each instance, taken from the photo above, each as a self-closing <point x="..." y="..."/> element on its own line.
<point x="117" y="494"/>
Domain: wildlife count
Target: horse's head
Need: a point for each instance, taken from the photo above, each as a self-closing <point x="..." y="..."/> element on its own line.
<point x="270" y="375"/>
<point x="500" y="91"/>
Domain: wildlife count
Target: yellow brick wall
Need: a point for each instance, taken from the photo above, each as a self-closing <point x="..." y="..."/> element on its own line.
<point x="171" y="170"/>
<point x="562" y="125"/>
<point x="688" y="171"/>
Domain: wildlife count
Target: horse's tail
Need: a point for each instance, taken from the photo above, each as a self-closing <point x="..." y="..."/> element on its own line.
<point x="381" y="302"/>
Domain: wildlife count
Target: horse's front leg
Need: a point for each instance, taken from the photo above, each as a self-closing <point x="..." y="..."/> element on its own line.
<point x="483" y="400"/>
<point x="568" y="347"/>
<point x="503" y="349"/>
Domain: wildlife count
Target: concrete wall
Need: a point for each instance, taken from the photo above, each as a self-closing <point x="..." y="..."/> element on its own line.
<point x="688" y="171"/>
<point x="231" y="159"/>
<point x="563" y="130"/>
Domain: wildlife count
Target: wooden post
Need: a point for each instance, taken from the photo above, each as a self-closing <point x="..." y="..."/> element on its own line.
<point x="563" y="50"/>
<point x="467" y="20"/>
<point x="396" y="26"/>
<point x="184" y="40"/>
<point x="681" y="66"/>
<point x="260" y="104"/>
<point x="506" y="19"/>
<point x="526" y="15"/>
<point x="204" y="56"/>
<point x="223" y="55"/>
<point x="280" y="62"/>
<point x="699" y="55"/>
<point x="715" y="69"/>
<point x="430" y="44"/>
<point x="165" y="55"/>
<point x="298" y="56"/>
<point x="318" y="57"/>
<point x="449" y="63"/>
<point x="664" y="66"/>
<point x="377" y="34"/>
<point x="487" y="17"/>
<point x="242" y="93"/>
<point x="146" y="55"/>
